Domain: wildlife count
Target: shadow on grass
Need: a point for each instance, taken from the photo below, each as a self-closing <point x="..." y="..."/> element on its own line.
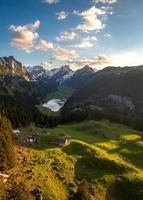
<point x="89" y="164"/>
<point x="131" y="152"/>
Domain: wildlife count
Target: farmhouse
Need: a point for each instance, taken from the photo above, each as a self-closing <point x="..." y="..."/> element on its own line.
<point x="16" y="131"/>
<point x="32" y="140"/>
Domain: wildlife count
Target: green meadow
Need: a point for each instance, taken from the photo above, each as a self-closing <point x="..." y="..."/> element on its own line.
<point x="107" y="155"/>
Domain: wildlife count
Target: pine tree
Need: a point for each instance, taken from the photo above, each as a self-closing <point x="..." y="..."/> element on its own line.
<point x="7" y="156"/>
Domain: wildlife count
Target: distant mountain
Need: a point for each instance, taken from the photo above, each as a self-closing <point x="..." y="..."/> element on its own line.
<point x="34" y="84"/>
<point x="53" y="77"/>
<point x="36" y="71"/>
<point x="19" y="92"/>
<point x="63" y="76"/>
<point x="16" y="81"/>
<point x="113" y="88"/>
<point x="9" y="66"/>
<point x="80" y="77"/>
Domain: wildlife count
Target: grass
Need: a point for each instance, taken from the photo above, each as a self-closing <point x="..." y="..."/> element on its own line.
<point x="107" y="155"/>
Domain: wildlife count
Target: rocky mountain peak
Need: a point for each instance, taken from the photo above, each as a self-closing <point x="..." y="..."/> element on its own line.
<point x="36" y="71"/>
<point x="86" y="69"/>
<point x="9" y="66"/>
<point x="66" y="68"/>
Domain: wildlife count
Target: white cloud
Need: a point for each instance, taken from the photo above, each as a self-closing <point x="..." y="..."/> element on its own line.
<point x="66" y="36"/>
<point x="90" y="12"/>
<point x="44" y="45"/>
<point x="99" y="62"/>
<point x="62" y="15"/>
<point x="46" y="65"/>
<point x="90" y="38"/>
<point x="84" y="44"/>
<point x="90" y="23"/>
<point x="92" y="18"/>
<point x="105" y="1"/>
<point x="131" y="58"/>
<point x="51" y="1"/>
<point x="24" y="37"/>
<point x="62" y="54"/>
<point x="107" y="35"/>
<point x="122" y="59"/>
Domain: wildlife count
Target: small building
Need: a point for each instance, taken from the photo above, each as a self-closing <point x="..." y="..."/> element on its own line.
<point x="16" y="134"/>
<point x="60" y="142"/>
<point x="32" y="140"/>
<point x="16" y="131"/>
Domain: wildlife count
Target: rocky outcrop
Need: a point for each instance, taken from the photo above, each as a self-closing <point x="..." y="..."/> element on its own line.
<point x="9" y="66"/>
<point x="121" y="103"/>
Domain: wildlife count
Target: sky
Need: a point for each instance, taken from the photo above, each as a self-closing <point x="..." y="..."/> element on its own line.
<point x="52" y="33"/>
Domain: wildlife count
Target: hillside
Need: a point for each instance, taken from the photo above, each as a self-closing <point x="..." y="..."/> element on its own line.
<point x="7" y="155"/>
<point x="19" y="93"/>
<point x="113" y="89"/>
<point x="9" y="66"/>
<point x="15" y="81"/>
<point x="106" y="155"/>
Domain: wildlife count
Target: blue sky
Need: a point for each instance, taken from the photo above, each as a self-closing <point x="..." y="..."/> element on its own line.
<point x="75" y="32"/>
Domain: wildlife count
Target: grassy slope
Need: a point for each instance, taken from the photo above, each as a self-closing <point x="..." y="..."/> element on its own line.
<point x="107" y="155"/>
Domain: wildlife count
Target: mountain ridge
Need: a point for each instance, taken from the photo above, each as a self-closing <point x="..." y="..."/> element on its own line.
<point x="116" y="89"/>
<point x="9" y="66"/>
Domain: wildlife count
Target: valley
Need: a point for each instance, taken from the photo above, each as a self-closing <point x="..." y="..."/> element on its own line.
<point x="77" y="135"/>
<point x="71" y="100"/>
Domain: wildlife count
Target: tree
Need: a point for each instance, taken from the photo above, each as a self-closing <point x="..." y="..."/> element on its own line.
<point x="7" y="156"/>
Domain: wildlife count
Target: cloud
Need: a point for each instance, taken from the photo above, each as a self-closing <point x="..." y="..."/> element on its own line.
<point x="102" y="60"/>
<point x="127" y="58"/>
<point x="98" y="61"/>
<point x="61" y="54"/>
<point x="105" y="1"/>
<point x="107" y="35"/>
<point x="90" y="12"/>
<point x="66" y="36"/>
<point x="84" y="44"/>
<point x="130" y="58"/>
<point x="62" y="15"/>
<point x="90" y="38"/>
<point x="44" y="45"/>
<point x="92" y="18"/>
<point x="24" y="37"/>
<point x="51" y="1"/>
<point x="46" y="65"/>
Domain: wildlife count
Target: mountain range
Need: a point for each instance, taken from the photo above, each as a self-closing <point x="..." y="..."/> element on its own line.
<point x="116" y="89"/>
<point x="63" y="76"/>
<point x="23" y="88"/>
